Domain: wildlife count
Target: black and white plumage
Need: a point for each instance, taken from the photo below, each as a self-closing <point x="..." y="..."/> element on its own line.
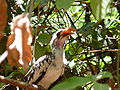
<point x="49" y="68"/>
<point x="38" y="70"/>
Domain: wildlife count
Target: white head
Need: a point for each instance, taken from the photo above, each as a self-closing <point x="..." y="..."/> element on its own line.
<point x="60" y="37"/>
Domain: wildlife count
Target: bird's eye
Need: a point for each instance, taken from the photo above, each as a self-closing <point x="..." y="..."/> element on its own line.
<point x="58" y="34"/>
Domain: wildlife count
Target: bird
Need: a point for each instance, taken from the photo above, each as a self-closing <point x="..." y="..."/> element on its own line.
<point x="49" y="68"/>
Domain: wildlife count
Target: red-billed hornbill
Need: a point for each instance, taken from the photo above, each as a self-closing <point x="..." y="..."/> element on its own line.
<point x="49" y="68"/>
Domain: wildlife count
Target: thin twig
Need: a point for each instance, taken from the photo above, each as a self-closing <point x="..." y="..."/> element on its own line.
<point x="62" y="18"/>
<point x="96" y="51"/>
<point x="79" y="16"/>
<point x="100" y="50"/>
<point x="72" y="22"/>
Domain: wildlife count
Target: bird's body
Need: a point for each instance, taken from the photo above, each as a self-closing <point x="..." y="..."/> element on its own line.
<point x="45" y="71"/>
<point x="38" y="70"/>
<point x="50" y="67"/>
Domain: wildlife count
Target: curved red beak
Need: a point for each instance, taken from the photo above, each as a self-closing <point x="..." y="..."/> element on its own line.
<point x="67" y="32"/>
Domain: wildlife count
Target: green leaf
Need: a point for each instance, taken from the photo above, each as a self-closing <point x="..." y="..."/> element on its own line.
<point x="44" y="1"/>
<point x="99" y="8"/>
<point x="103" y="75"/>
<point x="7" y="68"/>
<point x="87" y="29"/>
<point x="65" y="4"/>
<point x="44" y="38"/>
<point x="72" y="83"/>
<point x="102" y="64"/>
<point x="107" y="58"/>
<point x="95" y="42"/>
<point x="98" y="86"/>
<point x="13" y="74"/>
<point x="1" y="84"/>
<point x="3" y="45"/>
<point x="82" y="56"/>
<point x="40" y="51"/>
<point x="74" y="48"/>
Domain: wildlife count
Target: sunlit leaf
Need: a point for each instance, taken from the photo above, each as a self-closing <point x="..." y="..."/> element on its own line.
<point x="74" y="48"/>
<point x="72" y="64"/>
<point x="19" y="42"/>
<point x="102" y="64"/>
<point x="97" y="86"/>
<point x="107" y="58"/>
<point x="103" y="75"/>
<point x="82" y="56"/>
<point x="72" y="83"/>
<point x="99" y="8"/>
<point x="65" y="4"/>
<point x="3" y="17"/>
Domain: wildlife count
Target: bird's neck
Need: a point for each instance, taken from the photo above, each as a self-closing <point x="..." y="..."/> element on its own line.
<point x="58" y="53"/>
<point x="59" y="56"/>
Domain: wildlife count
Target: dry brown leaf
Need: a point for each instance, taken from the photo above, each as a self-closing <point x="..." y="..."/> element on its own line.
<point x="19" y="42"/>
<point x="3" y="16"/>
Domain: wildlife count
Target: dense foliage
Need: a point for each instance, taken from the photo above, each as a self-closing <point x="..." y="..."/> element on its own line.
<point x="93" y="54"/>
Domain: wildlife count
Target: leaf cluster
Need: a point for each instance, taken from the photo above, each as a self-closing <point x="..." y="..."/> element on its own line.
<point x="90" y="52"/>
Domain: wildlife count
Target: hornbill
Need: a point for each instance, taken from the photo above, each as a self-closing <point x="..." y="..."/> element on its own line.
<point x="48" y="68"/>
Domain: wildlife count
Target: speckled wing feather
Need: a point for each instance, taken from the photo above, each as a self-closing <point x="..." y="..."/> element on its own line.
<point x="38" y="70"/>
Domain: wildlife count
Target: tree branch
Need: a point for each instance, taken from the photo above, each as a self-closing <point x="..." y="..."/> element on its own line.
<point x="18" y="83"/>
<point x="100" y="50"/>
